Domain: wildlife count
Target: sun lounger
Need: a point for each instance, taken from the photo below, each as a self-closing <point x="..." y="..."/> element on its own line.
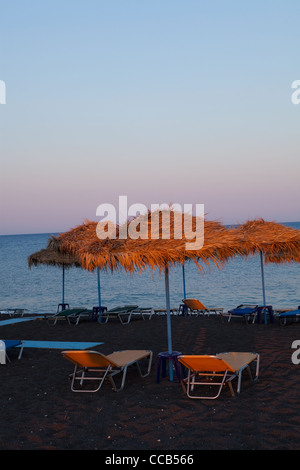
<point x="95" y="367"/>
<point x="122" y="313"/>
<point x="74" y="315"/>
<point x="215" y="371"/>
<point x="289" y="314"/>
<point x="13" y="311"/>
<point x="195" y="307"/>
<point x="9" y="344"/>
<point x="245" y="311"/>
<point x="144" y="313"/>
<point x="68" y="314"/>
<point x="92" y="315"/>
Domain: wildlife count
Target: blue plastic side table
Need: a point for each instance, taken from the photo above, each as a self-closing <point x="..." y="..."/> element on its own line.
<point x="61" y="307"/>
<point x="182" y="310"/>
<point x="267" y="309"/>
<point x="97" y="311"/>
<point x="162" y="359"/>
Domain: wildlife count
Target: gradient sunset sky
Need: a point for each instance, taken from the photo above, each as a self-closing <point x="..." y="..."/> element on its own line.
<point x="163" y="101"/>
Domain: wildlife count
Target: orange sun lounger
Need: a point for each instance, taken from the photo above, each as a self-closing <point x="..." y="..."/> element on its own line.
<point x="217" y="371"/>
<point x="94" y="366"/>
<point x="195" y="307"/>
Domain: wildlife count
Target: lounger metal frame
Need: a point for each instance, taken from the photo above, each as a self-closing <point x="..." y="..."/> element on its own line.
<point x="107" y="371"/>
<point x="253" y="358"/>
<point x="191" y="382"/>
<point x="233" y="364"/>
<point x="209" y="377"/>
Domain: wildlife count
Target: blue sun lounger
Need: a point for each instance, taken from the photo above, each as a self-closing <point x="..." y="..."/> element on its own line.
<point x="256" y="312"/>
<point x="245" y="311"/>
<point x="291" y="314"/>
<point x="11" y="343"/>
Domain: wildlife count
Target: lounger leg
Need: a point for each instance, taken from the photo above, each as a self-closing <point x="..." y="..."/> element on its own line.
<point x="122" y="321"/>
<point x="193" y="381"/>
<point x="124" y="372"/>
<point x="250" y="374"/>
<point x="183" y="382"/>
<point x="230" y="385"/>
<point x="257" y="367"/>
<point x="240" y="373"/>
<point x="21" y="350"/>
<point x="190" y="386"/>
<point x="148" y="368"/>
<point x="116" y="389"/>
<point x="20" y="353"/>
<point x="239" y="381"/>
<point x="103" y="318"/>
<point x="82" y="378"/>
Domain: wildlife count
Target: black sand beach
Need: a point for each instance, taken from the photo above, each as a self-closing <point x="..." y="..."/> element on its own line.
<point x="39" y="411"/>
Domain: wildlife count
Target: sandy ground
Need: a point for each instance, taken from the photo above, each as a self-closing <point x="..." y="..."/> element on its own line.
<point x="39" y="410"/>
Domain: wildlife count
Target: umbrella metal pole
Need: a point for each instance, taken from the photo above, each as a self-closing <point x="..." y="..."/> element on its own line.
<point x="183" y="279"/>
<point x="63" y="284"/>
<point x="99" y="287"/>
<point x="263" y="277"/>
<point x="167" y="288"/>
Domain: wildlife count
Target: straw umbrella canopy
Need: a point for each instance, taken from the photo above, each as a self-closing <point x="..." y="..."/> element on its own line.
<point x="144" y="250"/>
<point x="138" y="253"/>
<point x="274" y="242"/>
<point x="53" y="256"/>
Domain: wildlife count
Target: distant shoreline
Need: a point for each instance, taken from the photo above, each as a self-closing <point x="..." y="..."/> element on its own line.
<point x="62" y="231"/>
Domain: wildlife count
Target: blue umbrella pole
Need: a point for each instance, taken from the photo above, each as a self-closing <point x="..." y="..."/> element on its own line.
<point x="183" y="280"/>
<point x="99" y="287"/>
<point x="63" y="284"/>
<point x="263" y="278"/>
<point x="167" y="289"/>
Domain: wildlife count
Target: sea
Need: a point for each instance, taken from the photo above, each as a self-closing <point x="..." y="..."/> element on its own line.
<point x="39" y="289"/>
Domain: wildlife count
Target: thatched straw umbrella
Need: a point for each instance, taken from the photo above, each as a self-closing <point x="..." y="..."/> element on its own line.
<point x="53" y="256"/>
<point x="150" y="248"/>
<point x="274" y="242"/>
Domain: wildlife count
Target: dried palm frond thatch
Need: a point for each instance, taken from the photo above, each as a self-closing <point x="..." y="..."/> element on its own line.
<point x="277" y="242"/>
<point x="53" y="256"/>
<point x="274" y="242"/>
<point x="150" y="248"/>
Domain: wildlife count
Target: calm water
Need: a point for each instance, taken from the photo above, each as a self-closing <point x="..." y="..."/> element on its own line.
<point x="40" y="289"/>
